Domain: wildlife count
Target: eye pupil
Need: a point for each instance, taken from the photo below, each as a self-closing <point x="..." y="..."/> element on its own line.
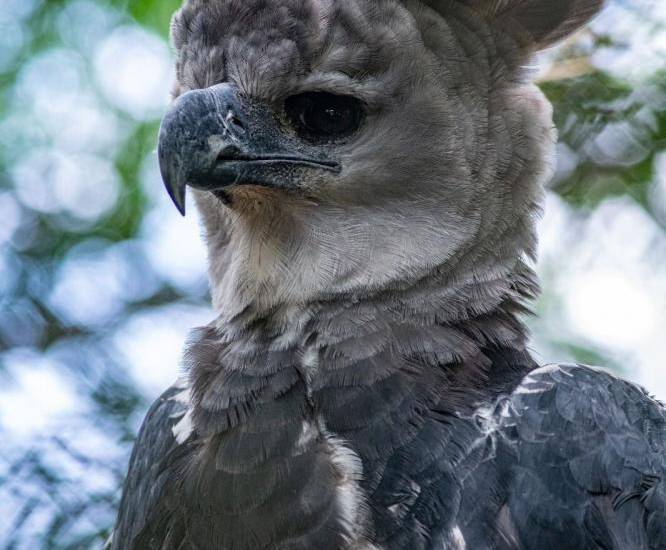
<point x="321" y="116"/>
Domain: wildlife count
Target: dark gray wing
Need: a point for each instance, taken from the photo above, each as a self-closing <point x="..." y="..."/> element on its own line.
<point x="587" y="456"/>
<point x="142" y="506"/>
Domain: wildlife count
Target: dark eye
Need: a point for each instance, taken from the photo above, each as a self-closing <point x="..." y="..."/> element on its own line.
<point x="321" y="117"/>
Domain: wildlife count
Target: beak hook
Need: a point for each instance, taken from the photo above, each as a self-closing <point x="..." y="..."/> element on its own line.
<point x="177" y="194"/>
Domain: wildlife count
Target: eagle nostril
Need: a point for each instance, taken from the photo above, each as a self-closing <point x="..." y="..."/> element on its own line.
<point x="229" y="153"/>
<point x="233" y="120"/>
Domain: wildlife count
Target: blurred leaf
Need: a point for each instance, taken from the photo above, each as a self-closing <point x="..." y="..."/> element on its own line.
<point x="155" y="14"/>
<point x="615" y="131"/>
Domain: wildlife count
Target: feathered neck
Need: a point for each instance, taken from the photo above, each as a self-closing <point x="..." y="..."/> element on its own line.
<point x="442" y="329"/>
<point x="475" y="311"/>
<point x="474" y="290"/>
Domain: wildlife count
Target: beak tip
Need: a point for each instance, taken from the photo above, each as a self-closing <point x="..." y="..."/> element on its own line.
<point x="180" y="205"/>
<point x="177" y="195"/>
<point x="171" y="176"/>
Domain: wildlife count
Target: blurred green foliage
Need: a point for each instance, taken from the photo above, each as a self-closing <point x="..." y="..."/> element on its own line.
<point x="588" y="105"/>
<point x="154" y="14"/>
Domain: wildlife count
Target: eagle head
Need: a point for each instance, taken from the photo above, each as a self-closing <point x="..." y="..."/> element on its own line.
<point x="349" y="146"/>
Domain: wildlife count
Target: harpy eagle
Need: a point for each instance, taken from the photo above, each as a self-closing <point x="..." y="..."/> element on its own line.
<point x="368" y="174"/>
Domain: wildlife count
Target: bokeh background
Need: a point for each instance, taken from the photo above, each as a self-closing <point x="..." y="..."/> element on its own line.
<point x="100" y="279"/>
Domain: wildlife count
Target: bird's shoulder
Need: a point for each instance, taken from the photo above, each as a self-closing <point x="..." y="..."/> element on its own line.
<point x="587" y="451"/>
<point x="553" y="398"/>
<point x="149" y="466"/>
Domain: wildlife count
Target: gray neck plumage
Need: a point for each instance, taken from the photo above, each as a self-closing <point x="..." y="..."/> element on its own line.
<point x="284" y="299"/>
<point x="444" y="318"/>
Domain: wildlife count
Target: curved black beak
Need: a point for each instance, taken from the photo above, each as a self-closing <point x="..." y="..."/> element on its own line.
<point x="210" y="140"/>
